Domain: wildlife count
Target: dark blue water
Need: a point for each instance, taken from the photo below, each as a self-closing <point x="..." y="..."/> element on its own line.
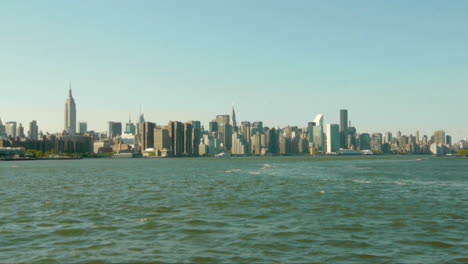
<point x="411" y="209"/>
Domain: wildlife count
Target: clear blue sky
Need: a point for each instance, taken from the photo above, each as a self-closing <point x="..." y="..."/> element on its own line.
<point x="395" y="65"/>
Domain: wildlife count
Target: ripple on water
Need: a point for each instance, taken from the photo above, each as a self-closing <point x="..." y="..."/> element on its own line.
<point x="204" y="260"/>
<point x="433" y="244"/>
<point x="347" y="244"/>
<point x="71" y="232"/>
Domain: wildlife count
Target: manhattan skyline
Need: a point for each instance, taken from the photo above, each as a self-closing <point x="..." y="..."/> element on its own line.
<point x="279" y="63"/>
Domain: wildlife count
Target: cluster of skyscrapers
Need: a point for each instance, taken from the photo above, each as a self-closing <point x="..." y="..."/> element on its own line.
<point x="223" y="135"/>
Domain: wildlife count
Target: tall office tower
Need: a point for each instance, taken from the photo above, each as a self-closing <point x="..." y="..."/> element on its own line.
<point x="424" y="139"/>
<point x="257" y="126"/>
<point x="209" y="142"/>
<point x="176" y="132"/>
<point x="83" y="127"/>
<point x="343" y="127"/>
<point x="33" y="130"/>
<point x="364" y="141"/>
<point x="196" y="134"/>
<point x="398" y="135"/>
<point x="272" y="141"/>
<point x="225" y="135"/>
<point x="310" y="131"/>
<point x="139" y="125"/>
<point x="162" y="140"/>
<point x="439" y="137"/>
<point x="403" y="142"/>
<point x="257" y="144"/>
<point x="10" y="129"/>
<point x="417" y="137"/>
<point x="351" y="137"/>
<point x="388" y="137"/>
<point x="70" y="114"/>
<point x="288" y="131"/>
<point x="20" y="131"/>
<point x="376" y="142"/>
<point x="303" y="144"/>
<point x="284" y="144"/>
<point x="318" y="140"/>
<point x="213" y="127"/>
<point x="130" y="128"/>
<point x="333" y="138"/>
<point x="448" y="140"/>
<point x="195" y="124"/>
<point x="114" y="129"/>
<point x="238" y="145"/>
<point x="233" y="119"/>
<point x="351" y="141"/>
<point x="245" y="131"/>
<point x="188" y="139"/>
<point x="2" y="129"/>
<point x="147" y="135"/>
<point x="222" y="120"/>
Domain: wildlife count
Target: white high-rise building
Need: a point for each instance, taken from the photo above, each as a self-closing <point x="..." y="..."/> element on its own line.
<point x="318" y="137"/>
<point x="10" y="128"/>
<point x="333" y="138"/>
<point x="319" y="120"/>
<point x="33" y="133"/>
<point x="70" y="114"/>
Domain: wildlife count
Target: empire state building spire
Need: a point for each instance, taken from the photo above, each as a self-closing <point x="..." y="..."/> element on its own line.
<point x="70" y="113"/>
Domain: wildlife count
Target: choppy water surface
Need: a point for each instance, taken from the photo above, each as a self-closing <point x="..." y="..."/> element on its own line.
<point x="238" y="210"/>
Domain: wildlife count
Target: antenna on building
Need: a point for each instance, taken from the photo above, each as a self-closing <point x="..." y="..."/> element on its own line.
<point x="69" y="89"/>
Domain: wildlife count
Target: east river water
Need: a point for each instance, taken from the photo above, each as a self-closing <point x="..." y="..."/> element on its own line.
<point x="387" y="209"/>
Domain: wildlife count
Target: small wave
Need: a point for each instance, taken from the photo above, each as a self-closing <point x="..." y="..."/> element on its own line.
<point x="361" y="181"/>
<point x="420" y="159"/>
<point x="266" y="165"/>
<point x="254" y="172"/>
<point x="347" y="244"/>
<point x="321" y="192"/>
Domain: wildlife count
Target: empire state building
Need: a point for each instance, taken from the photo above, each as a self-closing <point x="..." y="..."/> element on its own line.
<point x="70" y="114"/>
